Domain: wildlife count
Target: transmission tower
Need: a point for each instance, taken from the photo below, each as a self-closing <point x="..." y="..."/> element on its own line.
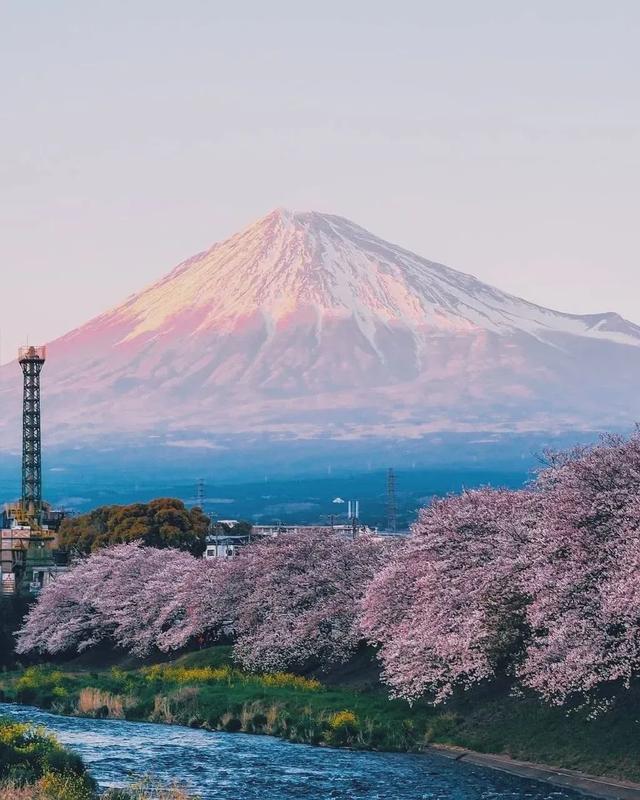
<point x="200" y="494"/>
<point x="353" y="514"/>
<point x="391" y="500"/>
<point x="31" y="359"/>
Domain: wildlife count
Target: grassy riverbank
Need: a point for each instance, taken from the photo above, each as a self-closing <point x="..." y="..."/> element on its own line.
<point x="34" y="766"/>
<point x="346" y="708"/>
<point x="52" y="787"/>
<point x="32" y="763"/>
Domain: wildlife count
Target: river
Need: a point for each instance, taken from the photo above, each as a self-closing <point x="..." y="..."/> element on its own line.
<point x="233" y="766"/>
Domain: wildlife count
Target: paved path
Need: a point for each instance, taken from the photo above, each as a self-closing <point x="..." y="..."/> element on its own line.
<point x="607" y="788"/>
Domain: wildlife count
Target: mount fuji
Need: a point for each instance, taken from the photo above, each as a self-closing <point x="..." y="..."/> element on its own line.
<point x="305" y="325"/>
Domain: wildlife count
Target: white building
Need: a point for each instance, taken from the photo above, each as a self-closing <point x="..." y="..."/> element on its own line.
<point x="343" y="529"/>
<point x="226" y="544"/>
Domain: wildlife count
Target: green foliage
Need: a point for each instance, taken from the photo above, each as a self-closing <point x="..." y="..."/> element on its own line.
<point x="41" y="685"/>
<point x="161" y="674"/>
<point x="147" y="790"/>
<point x="164" y="522"/>
<point x="28" y="754"/>
<point x="34" y="766"/>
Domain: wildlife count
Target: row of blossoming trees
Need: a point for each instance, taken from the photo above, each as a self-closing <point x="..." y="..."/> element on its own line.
<point x="541" y="585"/>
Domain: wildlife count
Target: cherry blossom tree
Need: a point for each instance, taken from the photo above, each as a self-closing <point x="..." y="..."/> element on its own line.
<point x="298" y="598"/>
<point x="118" y="593"/>
<point x="286" y="601"/>
<point x="65" y="617"/>
<point x="204" y="601"/>
<point x="449" y="610"/>
<point x="138" y="604"/>
<point x="541" y="584"/>
<point x="583" y="574"/>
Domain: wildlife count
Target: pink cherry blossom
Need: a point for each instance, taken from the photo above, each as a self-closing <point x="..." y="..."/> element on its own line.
<point x="449" y="610"/>
<point x="299" y="598"/>
<point x="583" y="558"/>
<point x="118" y="593"/>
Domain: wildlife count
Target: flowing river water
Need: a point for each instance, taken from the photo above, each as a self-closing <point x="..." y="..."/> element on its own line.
<point x="232" y="766"/>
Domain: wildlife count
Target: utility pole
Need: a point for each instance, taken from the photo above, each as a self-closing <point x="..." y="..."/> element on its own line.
<point x="353" y="513"/>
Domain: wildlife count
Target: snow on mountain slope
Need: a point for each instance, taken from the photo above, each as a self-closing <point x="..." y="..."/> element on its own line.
<point x="306" y="324"/>
<point x="288" y="260"/>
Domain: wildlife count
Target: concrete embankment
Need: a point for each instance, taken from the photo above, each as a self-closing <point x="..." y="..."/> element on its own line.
<point x="606" y="788"/>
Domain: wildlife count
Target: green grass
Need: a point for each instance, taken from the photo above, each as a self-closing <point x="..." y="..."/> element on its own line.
<point x="35" y="766"/>
<point x="29" y="756"/>
<point x="203" y="689"/>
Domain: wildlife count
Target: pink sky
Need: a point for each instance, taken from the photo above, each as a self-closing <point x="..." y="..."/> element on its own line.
<point x="500" y="138"/>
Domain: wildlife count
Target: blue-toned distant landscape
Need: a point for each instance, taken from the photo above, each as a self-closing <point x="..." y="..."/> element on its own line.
<point x="291" y="481"/>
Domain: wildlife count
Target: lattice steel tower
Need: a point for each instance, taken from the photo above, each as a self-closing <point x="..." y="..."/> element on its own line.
<point x="200" y="494"/>
<point x="391" y="500"/>
<point x="31" y="360"/>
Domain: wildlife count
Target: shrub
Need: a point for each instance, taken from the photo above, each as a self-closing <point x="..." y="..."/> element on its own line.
<point x="160" y="673"/>
<point x="65" y="787"/>
<point x="343" y="728"/>
<point x="342" y="718"/>
<point x="29" y="756"/>
<point x="289" y="681"/>
<point x="40" y="685"/>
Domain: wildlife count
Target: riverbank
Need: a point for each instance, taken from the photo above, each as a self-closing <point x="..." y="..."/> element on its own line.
<point x="590" y="785"/>
<point x="65" y="788"/>
<point x="35" y="766"/>
<point x="345" y="709"/>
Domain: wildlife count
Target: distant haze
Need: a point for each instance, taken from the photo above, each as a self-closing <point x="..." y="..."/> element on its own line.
<point x="500" y="138"/>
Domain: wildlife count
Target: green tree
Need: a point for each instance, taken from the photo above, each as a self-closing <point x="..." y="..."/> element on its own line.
<point x="165" y="522"/>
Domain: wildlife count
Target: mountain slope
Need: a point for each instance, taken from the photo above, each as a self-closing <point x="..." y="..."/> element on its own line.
<point x="306" y="324"/>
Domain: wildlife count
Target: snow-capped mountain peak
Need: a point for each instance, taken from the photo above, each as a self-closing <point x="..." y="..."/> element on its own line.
<point x="306" y="324"/>
<point x="331" y="267"/>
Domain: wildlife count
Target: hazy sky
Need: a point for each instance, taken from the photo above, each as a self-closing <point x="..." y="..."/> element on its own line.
<point x="501" y="138"/>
